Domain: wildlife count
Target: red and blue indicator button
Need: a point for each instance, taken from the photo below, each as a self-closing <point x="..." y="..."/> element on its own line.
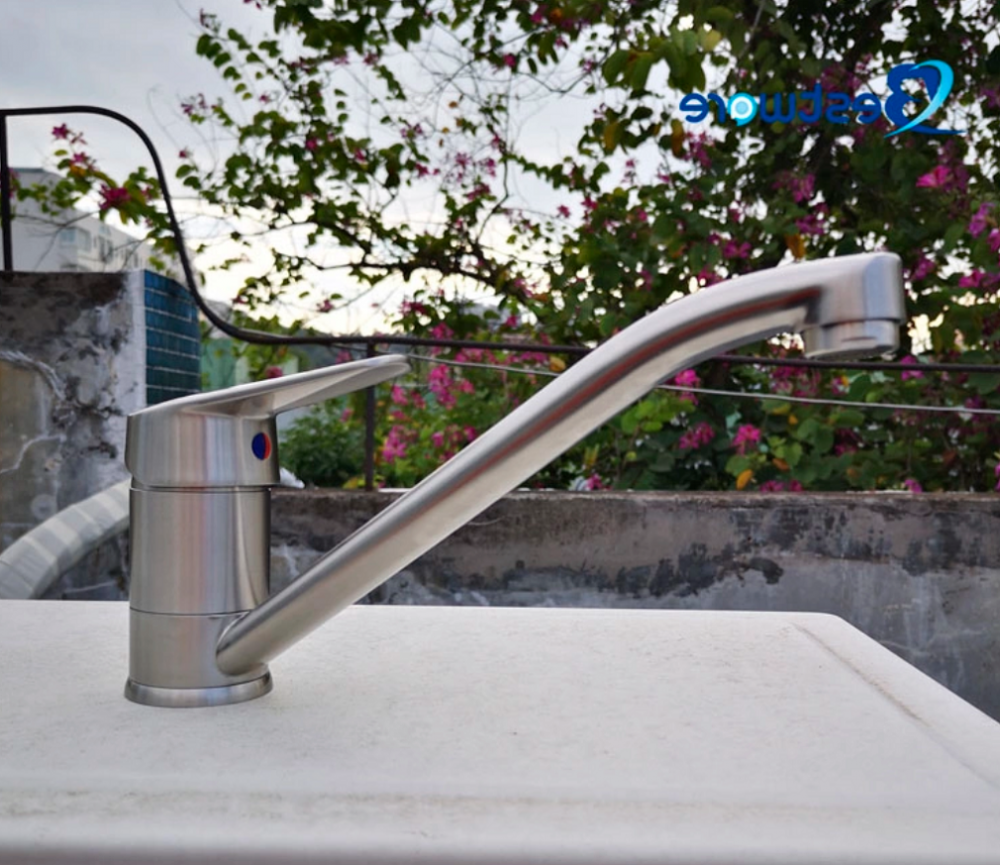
<point x="261" y="445"/>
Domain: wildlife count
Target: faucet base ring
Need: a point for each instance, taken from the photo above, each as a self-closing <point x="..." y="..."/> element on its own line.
<point x="191" y="698"/>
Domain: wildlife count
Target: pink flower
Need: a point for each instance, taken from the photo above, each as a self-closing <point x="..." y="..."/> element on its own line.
<point x="563" y="211"/>
<point x="412" y="307"/>
<point x="732" y="249"/>
<point x="509" y="60"/>
<point x="813" y="225"/>
<point x="61" y="131"/>
<point x="694" y="438"/>
<point x="470" y="433"/>
<point x="442" y="331"/>
<point x="801" y="188"/>
<point x="478" y="191"/>
<point x="938" y="178"/>
<point x="699" y="149"/>
<point x="745" y="436"/>
<point x="395" y="446"/>
<point x="993" y="239"/>
<point x="687" y="378"/>
<point x="511" y="321"/>
<point x="972" y="280"/>
<point x="594" y="482"/>
<point x="978" y="224"/>
<point x="466" y="386"/>
<point x="112" y="197"/>
<point x="996" y="472"/>
<point x="440" y="383"/>
<point x="184" y="154"/>
<point x="274" y="372"/>
<point x="912" y="485"/>
<point x="707" y="277"/>
<point x="398" y="395"/>
<point x="793" y="486"/>
<point x="923" y="268"/>
<point x="438" y="439"/>
<point x="311" y="144"/>
<point x="910" y="359"/>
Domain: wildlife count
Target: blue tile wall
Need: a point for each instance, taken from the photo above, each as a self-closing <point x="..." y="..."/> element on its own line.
<point x="173" y="340"/>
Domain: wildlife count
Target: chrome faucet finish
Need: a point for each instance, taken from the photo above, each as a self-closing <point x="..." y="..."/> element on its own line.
<point x="202" y="468"/>
<point x="208" y="550"/>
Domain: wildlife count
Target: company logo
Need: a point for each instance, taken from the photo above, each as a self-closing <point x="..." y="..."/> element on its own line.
<point x="811" y="106"/>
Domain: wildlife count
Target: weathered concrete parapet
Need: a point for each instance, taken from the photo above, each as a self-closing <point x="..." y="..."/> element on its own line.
<point x="919" y="573"/>
<point x="71" y="369"/>
<point x="72" y="366"/>
<point x="78" y="353"/>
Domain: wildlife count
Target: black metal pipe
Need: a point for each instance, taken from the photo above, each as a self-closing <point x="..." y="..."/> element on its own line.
<point x="370" y="430"/>
<point x="5" y="190"/>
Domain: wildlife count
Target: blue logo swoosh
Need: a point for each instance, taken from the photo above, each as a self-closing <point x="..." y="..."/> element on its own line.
<point x="947" y="79"/>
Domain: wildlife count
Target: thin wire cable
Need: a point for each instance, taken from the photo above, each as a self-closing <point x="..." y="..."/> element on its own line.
<point x="840" y="403"/>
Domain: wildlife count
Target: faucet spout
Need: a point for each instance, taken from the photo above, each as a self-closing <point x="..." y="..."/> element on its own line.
<point x="843" y="307"/>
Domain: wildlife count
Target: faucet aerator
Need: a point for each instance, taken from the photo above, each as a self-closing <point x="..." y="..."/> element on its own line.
<point x="851" y="340"/>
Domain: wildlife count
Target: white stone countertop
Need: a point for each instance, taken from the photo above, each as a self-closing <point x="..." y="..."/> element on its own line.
<point x="446" y="735"/>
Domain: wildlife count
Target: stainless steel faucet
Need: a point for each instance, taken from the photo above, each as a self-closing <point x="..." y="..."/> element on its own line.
<point x="202" y="625"/>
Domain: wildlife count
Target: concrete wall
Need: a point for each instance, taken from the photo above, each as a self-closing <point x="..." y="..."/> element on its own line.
<point x="920" y="574"/>
<point x="72" y="359"/>
<point x="78" y="353"/>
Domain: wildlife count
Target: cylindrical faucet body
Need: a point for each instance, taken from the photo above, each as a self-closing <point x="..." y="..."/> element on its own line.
<point x="200" y="560"/>
<point x="199" y="529"/>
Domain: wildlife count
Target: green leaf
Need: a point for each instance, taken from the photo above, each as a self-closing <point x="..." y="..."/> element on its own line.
<point x="614" y="65"/>
<point x="640" y="71"/>
<point x="847" y="418"/>
<point x="709" y="39"/>
<point x="984" y="382"/>
<point x="718" y="15"/>
<point x="612" y="137"/>
<point x="953" y="234"/>
<point x="206" y="46"/>
<point x="737" y="464"/>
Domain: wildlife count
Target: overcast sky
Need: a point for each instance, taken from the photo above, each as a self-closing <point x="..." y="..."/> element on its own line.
<point x="134" y="56"/>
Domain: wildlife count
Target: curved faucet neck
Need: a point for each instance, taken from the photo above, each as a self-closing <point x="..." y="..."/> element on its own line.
<point x="842" y="306"/>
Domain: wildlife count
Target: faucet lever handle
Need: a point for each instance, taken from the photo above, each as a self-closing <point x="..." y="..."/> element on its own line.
<point x="265" y="399"/>
<point x="226" y="437"/>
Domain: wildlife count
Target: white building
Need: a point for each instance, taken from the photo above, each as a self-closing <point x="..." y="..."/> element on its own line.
<point x="72" y="240"/>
